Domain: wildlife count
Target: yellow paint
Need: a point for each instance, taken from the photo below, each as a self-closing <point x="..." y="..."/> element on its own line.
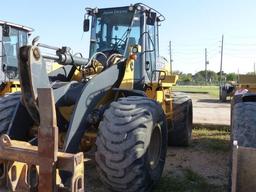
<point x="169" y="80"/>
<point x="163" y="96"/>
<point x="13" y="86"/>
<point x="77" y="76"/>
<point x="66" y="112"/>
<point x="159" y="96"/>
<point x="128" y="80"/>
<point x="15" y="170"/>
<point x="51" y="66"/>
<point x="151" y="92"/>
<point x="10" y="87"/>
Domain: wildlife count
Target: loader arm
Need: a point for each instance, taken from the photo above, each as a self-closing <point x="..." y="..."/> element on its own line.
<point x="85" y="99"/>
<point x="94" y="91"/>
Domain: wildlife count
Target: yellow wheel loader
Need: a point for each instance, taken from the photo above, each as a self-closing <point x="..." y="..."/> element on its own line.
<point x="116" y="103"/>
<point x="12" y="37"/>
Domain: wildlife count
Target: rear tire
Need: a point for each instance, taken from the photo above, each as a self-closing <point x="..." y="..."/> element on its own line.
<point x="132" y="144"/>
<point x="180" y="127"/>
<point x="223" y="94"/>
<point x="8" y="105"/>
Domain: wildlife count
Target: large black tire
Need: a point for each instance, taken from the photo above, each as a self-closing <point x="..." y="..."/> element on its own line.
<point x="243" y="128"/>
<point x="243" y="124"/>
<point x="223" y="94"/>
<point x="180" y="127"/>
<point x="8" y="104"/>
<point x="235" y="99"/>
<point x="132" y="144"/>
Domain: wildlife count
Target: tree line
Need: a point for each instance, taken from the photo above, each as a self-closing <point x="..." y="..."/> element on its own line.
<point x="199" y="78"/>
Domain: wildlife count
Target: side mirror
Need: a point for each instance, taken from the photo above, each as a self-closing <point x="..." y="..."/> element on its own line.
<point x="151" y="18"/>
<point x="6" y="30"/>
<point x="86" y="25"/>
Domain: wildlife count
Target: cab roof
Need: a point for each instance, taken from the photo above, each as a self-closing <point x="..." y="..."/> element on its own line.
<point x="25" y="28"/>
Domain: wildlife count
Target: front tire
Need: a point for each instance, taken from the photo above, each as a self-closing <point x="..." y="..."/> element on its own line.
<point x="8" y="104"/>
<point x="132" y="144"/>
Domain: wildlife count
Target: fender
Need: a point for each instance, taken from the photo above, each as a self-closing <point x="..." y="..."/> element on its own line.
<point x="129" y="92"/>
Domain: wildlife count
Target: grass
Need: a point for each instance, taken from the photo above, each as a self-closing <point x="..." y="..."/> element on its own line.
<point x="188" y="182"/>
<point x="211" y="90"/>
<point x="213" y="140"/>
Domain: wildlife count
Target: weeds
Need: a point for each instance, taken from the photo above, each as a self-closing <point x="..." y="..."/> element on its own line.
<point x="189" y="181"/>
<point x="213" y="140"/>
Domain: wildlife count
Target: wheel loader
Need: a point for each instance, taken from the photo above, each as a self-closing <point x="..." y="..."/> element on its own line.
<point x="12" y="36"/>
<point x="243" y="135"/>
<point x="115" y="104"/>
<point x="227" y="90"/>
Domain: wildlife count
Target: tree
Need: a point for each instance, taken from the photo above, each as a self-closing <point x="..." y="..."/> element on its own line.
<point x="183" y="77"/>
<point x="212" y="77"/>
<point x="231" y="77"/>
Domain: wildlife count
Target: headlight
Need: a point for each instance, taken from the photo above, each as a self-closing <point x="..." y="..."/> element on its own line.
<point x="135" y="49"/>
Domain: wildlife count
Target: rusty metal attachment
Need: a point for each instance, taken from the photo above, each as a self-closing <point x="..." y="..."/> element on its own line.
<point x="243" y="168"/>
<point x="24" y="167"/>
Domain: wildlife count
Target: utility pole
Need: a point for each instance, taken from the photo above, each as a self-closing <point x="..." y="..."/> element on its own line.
<point x="206" y="63"/>
<point x="221" y="58"/>
<point x="254" y="68"/>
<point x="170" y="49"/>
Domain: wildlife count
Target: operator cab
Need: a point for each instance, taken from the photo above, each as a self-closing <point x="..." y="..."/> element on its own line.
<point x="116" y="30"/>
<point x="12" y="36"/>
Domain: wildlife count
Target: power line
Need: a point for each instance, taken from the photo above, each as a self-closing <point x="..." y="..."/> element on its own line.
<point x="206" y="63"/>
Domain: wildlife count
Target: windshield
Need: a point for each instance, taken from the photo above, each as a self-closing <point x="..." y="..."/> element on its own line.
<point x="111" y="29"/>
<point x="11" y="44"/>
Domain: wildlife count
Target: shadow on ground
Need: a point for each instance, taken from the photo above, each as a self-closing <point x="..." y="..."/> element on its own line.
<point x="211" y="144"/>
<point x="210" y="101"/>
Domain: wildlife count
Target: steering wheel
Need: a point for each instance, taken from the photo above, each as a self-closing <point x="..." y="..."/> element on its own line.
<point x="118" y="42"/>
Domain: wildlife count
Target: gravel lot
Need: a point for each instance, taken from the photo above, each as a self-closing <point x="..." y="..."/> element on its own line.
<point x="208" y="110"/>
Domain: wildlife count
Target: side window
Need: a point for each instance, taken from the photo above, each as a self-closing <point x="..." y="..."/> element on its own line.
<point x="150" y="50"/>
<point x="22" y="38"/>
<point x="1" y="55"/>
<point x="1" y="44"/>
<point x="93" y="39"/>
<point x="104" y="32"/>
<point x="102" y="37"/>
<point x="10" y="45"/>
<point x="136" y="37"/>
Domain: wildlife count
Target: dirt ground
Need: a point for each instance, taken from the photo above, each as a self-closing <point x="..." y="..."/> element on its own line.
<point x="213" y="166"/>
<point x="210" y="164"/>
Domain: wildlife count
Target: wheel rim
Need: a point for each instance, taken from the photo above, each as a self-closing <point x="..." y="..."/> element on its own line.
<point x="154" y="149"/>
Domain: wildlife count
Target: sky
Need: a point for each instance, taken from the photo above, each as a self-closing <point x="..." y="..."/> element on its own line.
<point x="191" y="26"/>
